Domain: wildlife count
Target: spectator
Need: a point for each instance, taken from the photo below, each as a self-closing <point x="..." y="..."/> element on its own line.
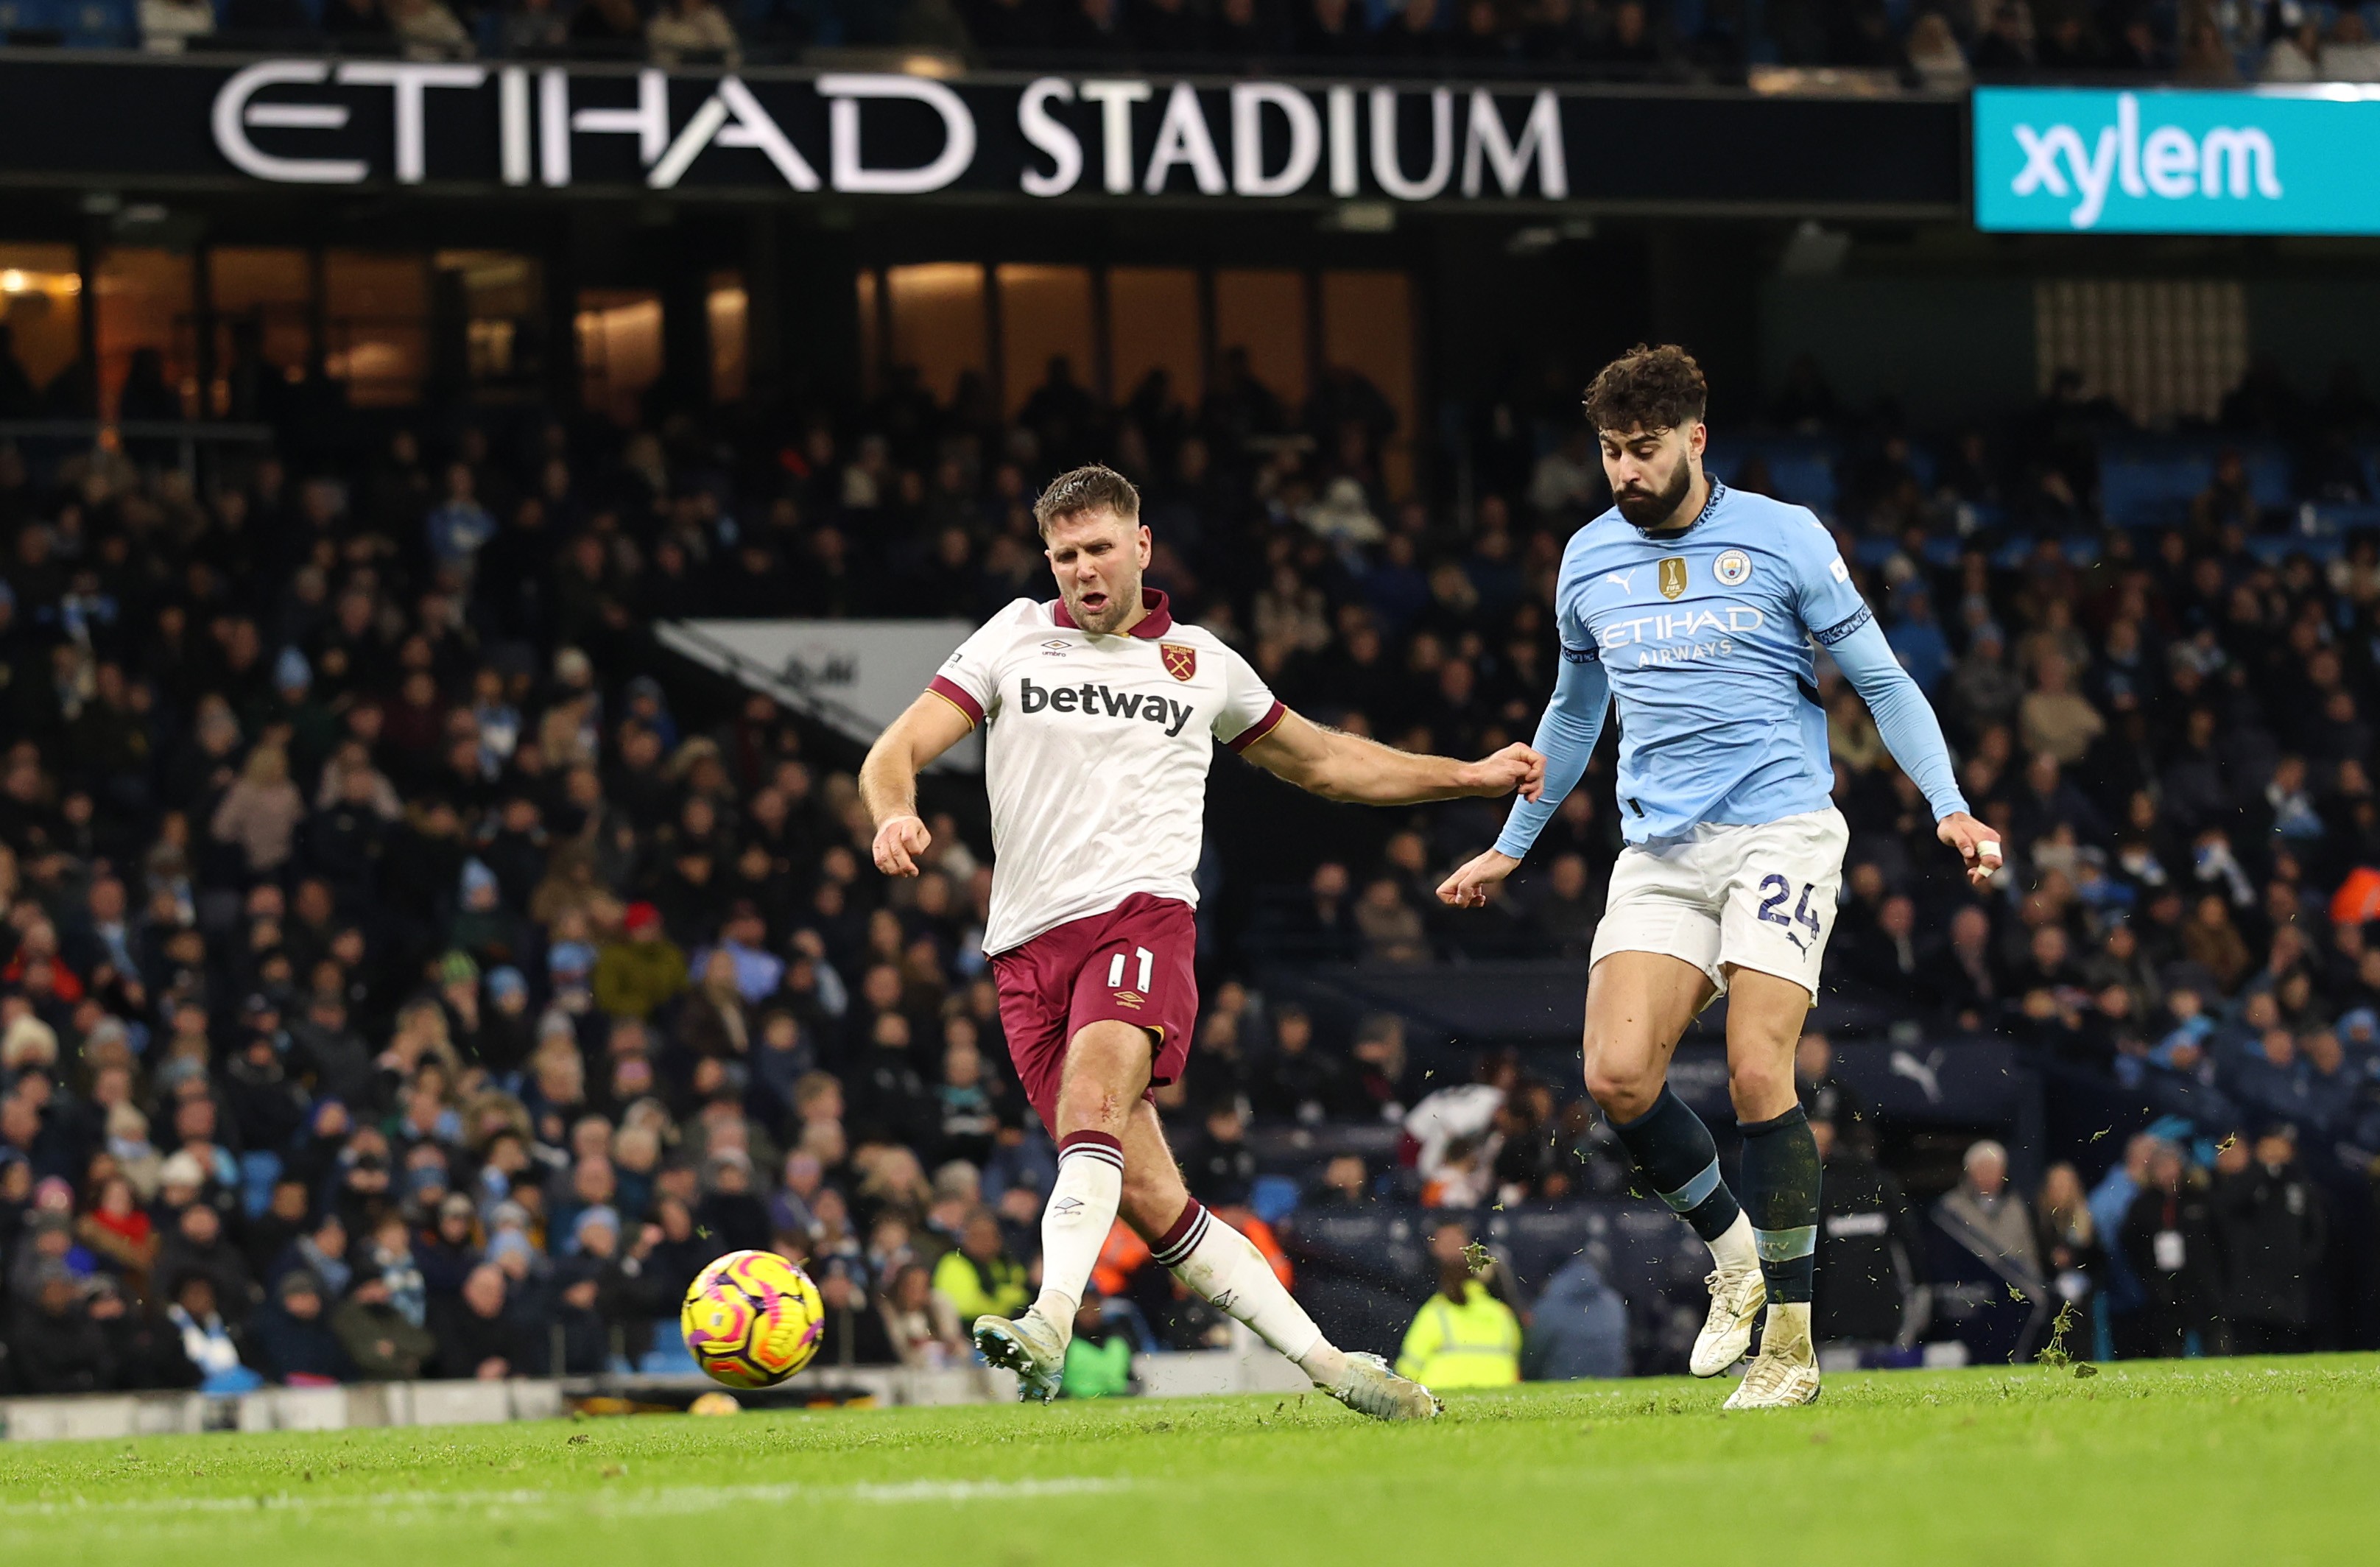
<point x="979" y="1278"/>
<point x="378" y="1339"/>
<point x="920" y="1323"/>
<point x="2271" y="1231"/>
<point x="56" y="1348"/>
<point x="1987" y="1216"/>
<point x="208" y="1341"/>
<point x="2072" y="1252"/>
<point x="2169" y="1243"/>
<point x="1935" y="55"/>
<point x="260" y="814"/>
<point x="1869" y="1254"/>
<point x="477" y="1337"/>
<point x="426" y="29"/>
<point x="1578" y="1329"/>
<point x="2350" y="54"/>
<point x="167" y="26"/>
<point x="292" y="1343"/>
<point x="635" y="976"/>
<point x="696" y="28"/>
<point x="1462" y="1337"/>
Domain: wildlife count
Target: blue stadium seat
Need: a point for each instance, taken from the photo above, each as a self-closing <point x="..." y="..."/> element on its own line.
<point x="1800" y="468"/>
<point x="2150" y="484"/>
<point x="257" y="1172"/>
<point x="30" y="16"/>
<point x="1272" y="1196"/>
<point x="668" y="1357"/>
<point x="97" y="24"/>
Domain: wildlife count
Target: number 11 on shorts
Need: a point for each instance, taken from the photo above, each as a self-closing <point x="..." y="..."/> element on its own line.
<point x="1148" y="970"/>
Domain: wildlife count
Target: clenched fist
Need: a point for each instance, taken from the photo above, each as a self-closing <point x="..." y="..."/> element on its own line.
<point x="899" y="843"/>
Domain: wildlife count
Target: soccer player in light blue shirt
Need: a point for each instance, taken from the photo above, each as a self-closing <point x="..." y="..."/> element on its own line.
<point x="1699" y="611"/>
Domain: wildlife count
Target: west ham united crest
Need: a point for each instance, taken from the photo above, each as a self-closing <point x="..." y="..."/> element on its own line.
<point x="1181" y="660"/>
<point x="1673" y="576"/>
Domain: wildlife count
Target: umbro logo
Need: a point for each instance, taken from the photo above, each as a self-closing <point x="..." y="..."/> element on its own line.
<point x="1132" y="998"/>
<point x="1066" y="1207"/>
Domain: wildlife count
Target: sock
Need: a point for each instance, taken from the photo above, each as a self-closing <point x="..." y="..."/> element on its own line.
<point x="1780" y="1193"/>
<point x="1075" y="1225"/>
<point x="1673" y="1150"/>
<point x="1223" y="1267"/>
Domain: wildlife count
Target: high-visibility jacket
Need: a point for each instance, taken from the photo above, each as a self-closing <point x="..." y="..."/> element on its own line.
<point x="1475" y="1343"/>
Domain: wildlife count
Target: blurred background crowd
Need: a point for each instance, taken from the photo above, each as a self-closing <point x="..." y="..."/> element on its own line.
<point x="410" y="969"/>
<point x="2205" y="42"/>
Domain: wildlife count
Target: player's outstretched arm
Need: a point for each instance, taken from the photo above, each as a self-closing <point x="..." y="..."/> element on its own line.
<point x="1340" y="766"/>
<point x="1913" y="735"/>
<point x="1566" y="735"/>
<point x="888" y="779"/>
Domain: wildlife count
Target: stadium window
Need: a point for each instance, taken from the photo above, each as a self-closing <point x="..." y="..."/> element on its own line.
<point x="41" y="300"/>
<point x="728" y="311"/>
<point x="619" y="350"/>
<point x="1045" y="313"/>
<point x="941" y="322"/>
<point x="376" y="310"/>
<point x="1367" y="327"/>
<point x="1153" y="325"/>
<point x="263" y="303"/>
<point x="147" y="302"/>
<point x="504" y="304"/>
<point x="1263" y="314"/>
<point x="870" y="289"/>
<point x="2160" y="348"/>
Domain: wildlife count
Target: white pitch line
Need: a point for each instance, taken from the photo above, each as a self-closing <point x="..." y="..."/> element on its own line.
<point x="665" y="1499"/>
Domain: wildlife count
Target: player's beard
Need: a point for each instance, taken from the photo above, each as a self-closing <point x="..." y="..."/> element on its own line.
<point x="1648" y="509"/>
<point x="1123" y="599"/>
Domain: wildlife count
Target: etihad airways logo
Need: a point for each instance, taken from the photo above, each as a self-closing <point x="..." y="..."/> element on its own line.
<point x="1098" y="701"/>
<point x="1731" y="619"/>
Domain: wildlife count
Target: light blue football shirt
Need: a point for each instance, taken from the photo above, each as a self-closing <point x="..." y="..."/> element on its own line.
<point x="1707" y="641"/>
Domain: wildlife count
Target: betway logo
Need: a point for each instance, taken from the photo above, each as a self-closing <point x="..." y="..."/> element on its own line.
<point x="2168" y="164"/>
<point x="1092" y="698"/>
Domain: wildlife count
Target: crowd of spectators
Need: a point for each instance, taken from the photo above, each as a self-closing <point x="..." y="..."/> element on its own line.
<point x="1943" y="46"/>
<point x="408" y="969"/>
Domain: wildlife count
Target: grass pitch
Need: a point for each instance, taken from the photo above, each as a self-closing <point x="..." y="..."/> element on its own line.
<point x="2263" y="1461"/>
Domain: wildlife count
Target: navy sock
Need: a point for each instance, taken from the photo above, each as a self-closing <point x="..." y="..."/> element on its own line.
<point x="1674" y="1152"/>
<point x="1781" y="1192"/>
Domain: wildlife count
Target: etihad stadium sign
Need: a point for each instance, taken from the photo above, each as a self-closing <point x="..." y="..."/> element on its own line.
<point x="515" y="129"/>
<point x="2272" y="161"/>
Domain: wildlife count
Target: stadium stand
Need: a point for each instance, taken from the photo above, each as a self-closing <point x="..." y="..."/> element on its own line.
<point x="1865" y="46"/>
<point x="411" y="968"/>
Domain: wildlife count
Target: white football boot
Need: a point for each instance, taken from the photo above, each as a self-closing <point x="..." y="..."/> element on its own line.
<point x="1786" y="1371"/>
<point x="1028" y="1346"/>
<point x="1371" y="1387"/>
<point x="1736" y="1302"/>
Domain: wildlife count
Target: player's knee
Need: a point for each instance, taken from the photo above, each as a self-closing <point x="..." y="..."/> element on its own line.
<point x="1621" y="1093"/>
<point x="1760" y="1089"/>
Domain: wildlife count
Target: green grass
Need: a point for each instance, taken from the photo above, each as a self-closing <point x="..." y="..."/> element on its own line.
<point x="2269" y="1462"/>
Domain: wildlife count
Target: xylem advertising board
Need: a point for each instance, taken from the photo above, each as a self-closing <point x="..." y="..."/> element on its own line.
<point x="2270" y="161"/>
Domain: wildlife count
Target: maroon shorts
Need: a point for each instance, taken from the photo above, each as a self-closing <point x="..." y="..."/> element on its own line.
<point x="1134" y="964"/>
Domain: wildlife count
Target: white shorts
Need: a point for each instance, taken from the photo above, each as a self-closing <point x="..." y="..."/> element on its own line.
<point x="1755" y="897"/>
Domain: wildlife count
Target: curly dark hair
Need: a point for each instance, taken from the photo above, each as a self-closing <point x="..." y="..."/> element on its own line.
<point x="1648" y="389"/>
<point x="1087" y="489"/>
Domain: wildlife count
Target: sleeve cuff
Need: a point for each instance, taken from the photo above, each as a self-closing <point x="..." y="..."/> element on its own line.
<point x="953" y="693"/>
<point x="1261" y="728"/>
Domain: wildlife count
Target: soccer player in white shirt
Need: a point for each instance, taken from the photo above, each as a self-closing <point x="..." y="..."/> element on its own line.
<point x="1102" y="712"/>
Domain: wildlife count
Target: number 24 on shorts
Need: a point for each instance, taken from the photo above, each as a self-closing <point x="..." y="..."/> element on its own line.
<point x="1777" y="890"/>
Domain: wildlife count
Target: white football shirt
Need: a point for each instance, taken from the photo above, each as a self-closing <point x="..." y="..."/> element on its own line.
<point x="1096" y="756"/>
